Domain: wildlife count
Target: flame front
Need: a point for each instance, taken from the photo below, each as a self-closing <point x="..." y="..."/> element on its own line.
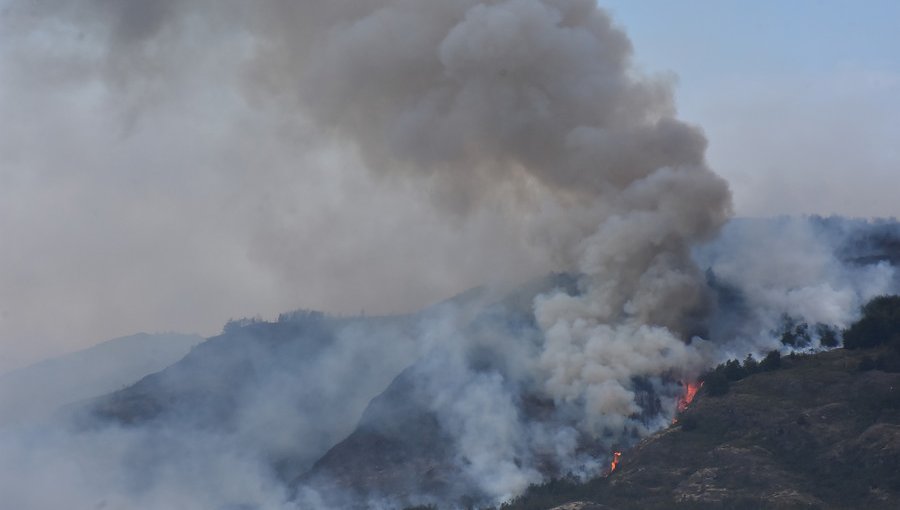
<point x="690" y="391"/>
<point x="615" y="461"/>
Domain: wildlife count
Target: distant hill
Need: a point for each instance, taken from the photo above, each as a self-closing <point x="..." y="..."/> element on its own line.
<point x="306" y="379"/>
<point x="285" y="390"/>
<point x="36" y="391"/>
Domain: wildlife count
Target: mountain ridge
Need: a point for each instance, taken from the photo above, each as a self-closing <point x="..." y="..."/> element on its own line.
<point x="36" y="391"/>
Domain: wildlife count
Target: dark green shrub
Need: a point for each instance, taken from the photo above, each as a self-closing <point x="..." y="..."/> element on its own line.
<point x="828" y="336"/>
<point x="866" y="364"/>
<point x="751" y="366"/>
<point x="795" y="334"/>
<point x="865" y="333"/>
<point x="688" y="423"/>
<point x="733" y="370"/>
<point x="715" y="383"/>
<point x="888" y="362"/>
<point x="549" y="494"/>
<point x="772" y="361"/>
<point x="879" y="325"/>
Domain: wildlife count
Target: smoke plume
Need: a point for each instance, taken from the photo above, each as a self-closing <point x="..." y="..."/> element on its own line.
<point x="529" y="107"/>
<point x="531" y="101"/>
<point x="535" y="103"/>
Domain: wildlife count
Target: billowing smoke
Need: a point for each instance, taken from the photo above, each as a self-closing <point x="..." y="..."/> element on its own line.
<point x="532" y="107"/>
<point x="814" y="270"/>
<point x="541" y="98"/>
<point x="538" y="98"/>
<point x="532" y="103"/>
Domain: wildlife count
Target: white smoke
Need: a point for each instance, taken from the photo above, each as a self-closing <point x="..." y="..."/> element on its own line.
<point x="808" y="269"/>
<point x="530" y="101"/>
<point x="530" y="107"/>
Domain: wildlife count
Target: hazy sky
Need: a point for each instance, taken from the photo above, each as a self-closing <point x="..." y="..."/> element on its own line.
<point x="175" y="203"/>
<point x="800" y="99"/>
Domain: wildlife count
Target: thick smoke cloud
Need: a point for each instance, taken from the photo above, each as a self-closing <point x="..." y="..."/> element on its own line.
<point x="147" y="187"/>
<point x="540" y="96"/>
<point x="534" y="104"/>
<point x="242" y="413"/>
<point x="813" y="270"/>
<point x="479" y="94"/>
<point x="472" y="377"/>
<point x="527" y="108"/>
<point x="485" y="94"/>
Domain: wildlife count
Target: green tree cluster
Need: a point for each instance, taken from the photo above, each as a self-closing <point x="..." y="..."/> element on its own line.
<point x="879" y="325"/>
<point x="798" y="334"/>
<point x="717" y="381"/>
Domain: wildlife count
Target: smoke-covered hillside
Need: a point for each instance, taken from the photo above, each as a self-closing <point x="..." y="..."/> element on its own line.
<point x="447" y="404"/>
<point x="523" y="133"/>
<point x="399" y="448"/>
<point x="34" y="392"/>
<point x="820" y="431"/>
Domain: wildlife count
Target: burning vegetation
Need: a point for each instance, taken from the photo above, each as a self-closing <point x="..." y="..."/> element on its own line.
<point x="615" y="461"/>
<point x="690" y="391"/>
<point x="785" y="449"/>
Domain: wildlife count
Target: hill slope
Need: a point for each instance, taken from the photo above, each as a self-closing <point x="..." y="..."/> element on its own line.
<point x="818" y="433"/>
<point x="292" y="389"/>
<point x="35" y="391"/>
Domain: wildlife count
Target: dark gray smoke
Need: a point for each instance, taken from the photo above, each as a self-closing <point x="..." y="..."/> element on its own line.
<point x="537" y="96"/>
<point x="535" y="101"/>
<point x="530" y="107"/>
<point x="532" y="103"/>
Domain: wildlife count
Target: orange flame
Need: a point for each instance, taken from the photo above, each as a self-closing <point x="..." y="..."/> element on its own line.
<point x="690" y="391"/>
<point x="615" y="461"/>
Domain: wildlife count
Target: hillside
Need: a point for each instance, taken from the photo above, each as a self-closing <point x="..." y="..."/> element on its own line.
<point x="786" y="438"/>
<point x="269" y="387"/>
<point x="446" y="406"/>
<point x="290" y="390"/>
<point x="36" y="391"/>
<point x="817" y="433"/>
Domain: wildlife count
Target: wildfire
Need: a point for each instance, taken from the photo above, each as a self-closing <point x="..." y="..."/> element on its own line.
<point x="690" y="391"/>
<point x="615" y="462"/>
